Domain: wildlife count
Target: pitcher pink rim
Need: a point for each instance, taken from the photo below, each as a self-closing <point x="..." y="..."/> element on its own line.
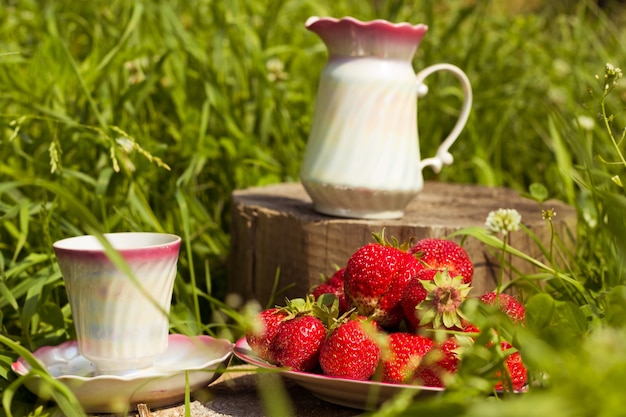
<point x="417" y="29"/>
<point x="377" y="38"/>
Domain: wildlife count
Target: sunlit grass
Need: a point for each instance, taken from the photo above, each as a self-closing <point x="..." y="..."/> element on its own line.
<point x="130" y="116"/>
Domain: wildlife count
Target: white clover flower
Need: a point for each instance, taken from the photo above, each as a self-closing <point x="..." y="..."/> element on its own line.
<point x="561" y="67"/>
<point x="135" y="69"/>
<point x="557" y="95"/>
<point x="276" y="70"/>
<point x="590" y="218"/>
<point x="503" y="221"/>
<point x="585" y="122"/>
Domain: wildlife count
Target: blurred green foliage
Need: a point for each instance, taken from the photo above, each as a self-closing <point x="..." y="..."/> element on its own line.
<point x="145" y="116"/>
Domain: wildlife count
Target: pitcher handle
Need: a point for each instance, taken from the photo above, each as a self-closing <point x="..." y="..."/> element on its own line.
<point x="443" y="157"/>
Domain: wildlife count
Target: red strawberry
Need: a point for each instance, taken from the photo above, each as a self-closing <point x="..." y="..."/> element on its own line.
<point x="262" y="331"/>
<point x="507" y="304"/>
<point x="414" y="294"/>
<point x="402" y="359"/>
<point x="297" y="343"/>
<point x="517" y="372"/>
<point x="334" y="285"/>
<point x="351" y="351"/>
<point x="470" y="328"/>
<point x="442" y="254"/>
<point x="443" y="360"/>
<point x="375" y="278"/>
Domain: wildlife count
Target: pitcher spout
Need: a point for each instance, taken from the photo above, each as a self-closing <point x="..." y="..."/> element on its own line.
<point x="351" y="37"/>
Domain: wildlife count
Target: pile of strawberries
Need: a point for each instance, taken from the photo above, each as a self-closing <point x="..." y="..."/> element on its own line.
<point x="375" y="319"/>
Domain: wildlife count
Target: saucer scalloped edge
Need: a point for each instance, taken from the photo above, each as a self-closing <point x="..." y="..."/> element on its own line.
<point x="163" y="384"/>
<point x="364" y="395"/>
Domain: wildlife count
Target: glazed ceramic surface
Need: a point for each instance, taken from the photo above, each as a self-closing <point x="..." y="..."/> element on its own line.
<point x="121" y="320"/>
<point x="160" y="385"/>
<point x="362" y="158"/>
<point x="350" y="393"/>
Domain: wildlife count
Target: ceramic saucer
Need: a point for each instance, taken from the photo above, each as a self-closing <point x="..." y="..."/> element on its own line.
<point x="347" y="392"/>
<point x="158" y="386"/>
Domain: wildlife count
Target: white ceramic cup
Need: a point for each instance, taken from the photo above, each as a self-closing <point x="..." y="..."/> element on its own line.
<point x="121" y="320"/>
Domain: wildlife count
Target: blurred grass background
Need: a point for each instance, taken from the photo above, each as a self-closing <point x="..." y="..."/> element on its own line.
<point x="145" y="115"/>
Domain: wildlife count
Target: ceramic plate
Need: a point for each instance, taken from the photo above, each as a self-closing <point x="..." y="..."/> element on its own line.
<point x="160" y="385"/>
<point x="347" y="392"/>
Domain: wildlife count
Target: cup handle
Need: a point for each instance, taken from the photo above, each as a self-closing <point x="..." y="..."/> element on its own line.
<point x="443" y="157"/>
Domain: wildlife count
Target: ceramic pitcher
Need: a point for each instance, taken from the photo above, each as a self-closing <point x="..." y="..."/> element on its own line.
<point x="362" y="158"/>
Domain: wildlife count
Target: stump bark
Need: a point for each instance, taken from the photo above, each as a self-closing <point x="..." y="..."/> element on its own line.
<point x="277" y="235"/>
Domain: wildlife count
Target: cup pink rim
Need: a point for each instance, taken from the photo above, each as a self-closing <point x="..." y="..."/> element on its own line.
<point x="140" y="242"/>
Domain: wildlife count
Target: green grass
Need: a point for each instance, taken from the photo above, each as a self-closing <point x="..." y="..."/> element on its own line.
<point x="127" y="116"/>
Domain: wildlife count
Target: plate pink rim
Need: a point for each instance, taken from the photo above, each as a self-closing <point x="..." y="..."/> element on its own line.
<point x="189" y="361"/>
<point x="242" y="351"/>
<point x="22" y="367"/>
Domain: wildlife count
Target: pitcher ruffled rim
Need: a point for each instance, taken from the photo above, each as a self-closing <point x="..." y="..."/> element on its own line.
<point x="348" y="36"/>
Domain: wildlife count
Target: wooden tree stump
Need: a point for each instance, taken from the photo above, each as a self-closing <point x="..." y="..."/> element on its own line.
<point x="276" y="233"/>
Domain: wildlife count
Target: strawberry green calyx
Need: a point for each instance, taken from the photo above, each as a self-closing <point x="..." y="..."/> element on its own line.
<point x="296" y="307"/>
<point x="324" y="308"/>
<point x="395" y="243"/>
<point x="442" y="305"/>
